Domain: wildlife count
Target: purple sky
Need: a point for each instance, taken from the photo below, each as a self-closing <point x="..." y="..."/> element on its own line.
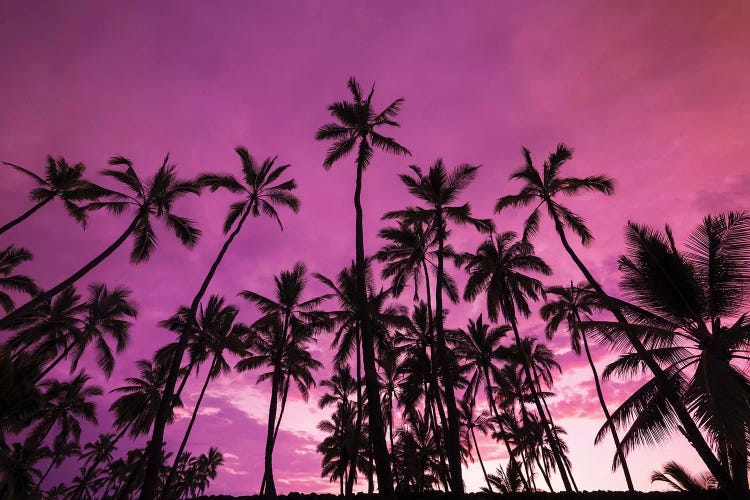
<point x="655" y="94"/>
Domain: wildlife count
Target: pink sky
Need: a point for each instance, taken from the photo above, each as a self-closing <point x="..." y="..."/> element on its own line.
<point x="655" y="94"/>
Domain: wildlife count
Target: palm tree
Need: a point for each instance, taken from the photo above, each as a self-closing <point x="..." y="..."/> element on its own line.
<point x="688" y="310"/>
<point x="218" y="335"/>
<point x="571" y="305"/>
<point x="20" y="398"/>
<point x="66" y="404"/>
<point x="63" y="181"/>
<point x="542" y="188"/>
<point x="10" y="258"/>
<point x="261" y="194"/>
<point x="680" y="479"/>
<point x="280" y="341"/>
<point x="357" y="125"/>
<point x="60" y="452"/>
<point x="479" y="345"/>
<point x="439" y="190"/>
<point x="347" y="335"/>
<point x="18" y="471"/>
<point x="150" y="200"/>
<point x="65" y="321"/>
<point x="498" y="269"/>
<point x="338" y="446"/>
<point x="94" y="454"/>
<point x="471" y="423"/>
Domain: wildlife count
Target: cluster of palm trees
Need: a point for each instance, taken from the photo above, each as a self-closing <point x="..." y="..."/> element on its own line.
<point x="408" y="396"/>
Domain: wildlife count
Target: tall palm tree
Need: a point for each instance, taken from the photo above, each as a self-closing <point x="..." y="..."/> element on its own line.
<point x="571" y="305"/>
<point x="439" y="190"/>
<point x="261" y="193"/>
<point x="94" y="454"/>
<point x="542" y="188"/>
<point x="689" y="310"/>
<point x="218" y="335"/>
<point x="66" y="404"/>
<point x="680" y="479"/>
<point x="150" y="200"/>
<point x="63" y="181"/>
<point x="357" y="125"/>
<point x="10" y="258"/>
<point x="338" y="446"/>
<point x="280" y="341"/>
<point x="60" y="452"/>
<point x="498" y="268"/>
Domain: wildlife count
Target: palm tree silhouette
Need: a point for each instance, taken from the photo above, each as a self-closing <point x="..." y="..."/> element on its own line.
<point x="17" y="466"/>
<point x="63" y="181"/>
<point x="94" y="454"/>
<point x="439" y="190"/>
<point x="543" y="188"/>
<point x="685" y="306"/>
<point x="150" y="200"/>
<point x="261" y="193"/>
<point x="10" y="258"/>
<point x="472" y="422"/>
<point x="498" y="269"/>
<point x="357" y="125"/>
<point x="280" y="341"/>
<point x="218" y="334"/>
<point x="680" y="479"/>
<point x="60" y="452"/>
<point x="571" y="305"/>
<point x="66" y="404"/>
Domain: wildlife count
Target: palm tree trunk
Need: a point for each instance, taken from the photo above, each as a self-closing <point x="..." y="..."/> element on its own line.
<point x="453" y="447"/>
<point x="430" y="404"/>
<point x="544" y="474"/>
<point x="84" y="481"/>
<point x="283" y="407"/>
<point x="352" y="476"/>
<point x="612" y="430"/>
<point x="11" y="318"/>
<point x="189" y="367"/>
<point x="268" y="488"/>
<point x="57" y="360"/>
<point x="46" y="473"/>
<point x="551" y="421"/>
<point x="173" y="470"/>
<point x="690" y="429"/>
<point x="154" y="448"/>
<point x="535" y="396"/>
<point x="25" y="215"/>
<point x="479" y="456"/>
<point x="377" y="430"/>
<point x="493" y="407"/>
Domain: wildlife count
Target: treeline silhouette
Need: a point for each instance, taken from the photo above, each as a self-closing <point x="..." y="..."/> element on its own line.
<point x="408" y="396"/>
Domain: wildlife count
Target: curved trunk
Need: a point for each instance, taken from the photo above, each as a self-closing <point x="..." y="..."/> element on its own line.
<point x="493" y="408"/>
<point x="25" y="215"/>
<point x="268" y="487"/>
<point x="615" y="437"/>
<point x="453" y="447"/>
<point x="154" y="448"/>
<point x="690" y="429"/>
<point x="551" y="421"/>
<point x="535" y="396"/>
<point x="377" y="428"/>
<point x="11" y="318"/>
<point x="173" y="470"/>
<point x="479" y="456"/>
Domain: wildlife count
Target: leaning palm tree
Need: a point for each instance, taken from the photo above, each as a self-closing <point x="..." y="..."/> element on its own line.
<point x="78" y="326"/>
<point x="498" y="268"/>
<point x="94" y="454"/>
<point x="66" y="404"/>
<point x="471" y="423"/>
<point x="357" y="126"/>
<point x="439" y="190"/>
<point x="571" y="305"/>
<point x="60" y="452"/>
<point x="150" y="200"/>
<point x="676" y="476"/>
<point x="688" y="308"/>
<point x="10" y="258"/>
<point x="261" y="193"/>
<point x="219" y="336"/>
<point x="543" y="188"/>
<point x="62" y="181"/>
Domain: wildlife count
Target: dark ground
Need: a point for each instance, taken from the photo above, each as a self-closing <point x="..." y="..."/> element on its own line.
<point x="592" y="495"/>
